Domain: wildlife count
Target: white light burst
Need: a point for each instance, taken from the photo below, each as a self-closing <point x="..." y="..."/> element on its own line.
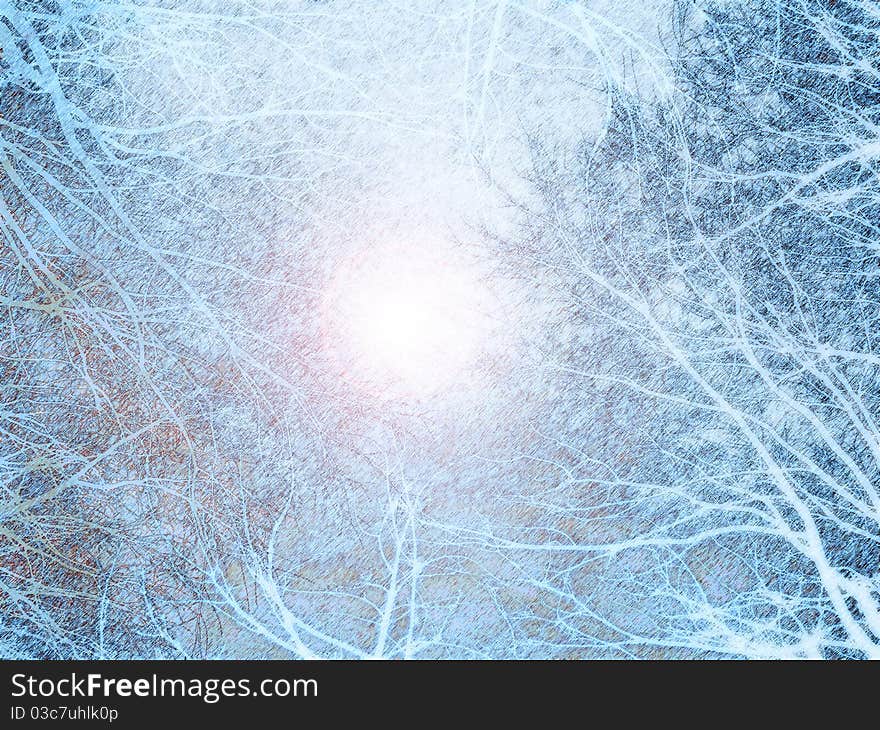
<point x="407" y="322"/>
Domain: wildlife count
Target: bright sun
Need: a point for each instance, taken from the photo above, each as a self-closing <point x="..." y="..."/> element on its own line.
<point x="404" y="322"/>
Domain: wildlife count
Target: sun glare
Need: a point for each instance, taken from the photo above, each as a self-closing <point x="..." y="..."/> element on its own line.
<point x="405" y="322"/>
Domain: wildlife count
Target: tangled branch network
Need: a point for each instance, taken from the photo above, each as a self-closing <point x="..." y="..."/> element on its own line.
<point x="509" y="329"/>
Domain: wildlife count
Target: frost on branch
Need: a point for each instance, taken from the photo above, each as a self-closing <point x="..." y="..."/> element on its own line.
<point x="718" y="487"/>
